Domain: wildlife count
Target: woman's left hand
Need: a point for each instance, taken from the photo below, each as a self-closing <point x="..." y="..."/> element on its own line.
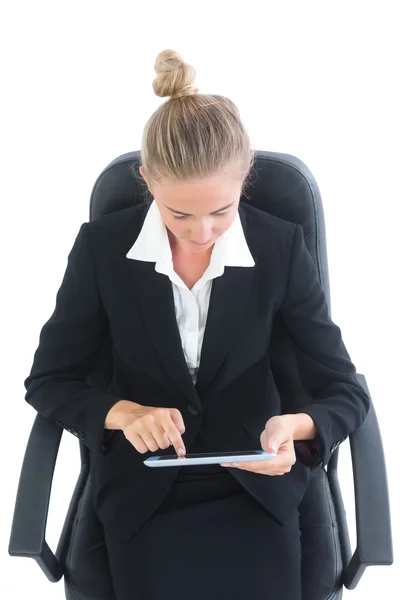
<point x="277" y="437"/>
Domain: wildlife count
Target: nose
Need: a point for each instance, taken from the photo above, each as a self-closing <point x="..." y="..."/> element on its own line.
<point x="201" y="232"/>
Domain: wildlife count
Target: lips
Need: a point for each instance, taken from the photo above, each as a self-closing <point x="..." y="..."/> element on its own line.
<point x="200" y="243"/>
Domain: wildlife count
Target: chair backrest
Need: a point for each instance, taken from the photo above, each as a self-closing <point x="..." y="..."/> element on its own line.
<point x="279" y="184"/>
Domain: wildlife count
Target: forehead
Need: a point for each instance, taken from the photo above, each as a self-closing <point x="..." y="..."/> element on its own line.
<point x="199" y="196"/>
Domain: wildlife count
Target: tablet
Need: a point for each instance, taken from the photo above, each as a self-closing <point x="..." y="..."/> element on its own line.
<point x="208" y="459"/>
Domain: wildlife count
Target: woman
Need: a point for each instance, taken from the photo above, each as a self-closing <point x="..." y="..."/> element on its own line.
<point x="187" y="291"/>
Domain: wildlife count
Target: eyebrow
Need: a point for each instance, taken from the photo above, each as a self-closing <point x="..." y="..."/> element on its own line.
<point x="178" y="212"/>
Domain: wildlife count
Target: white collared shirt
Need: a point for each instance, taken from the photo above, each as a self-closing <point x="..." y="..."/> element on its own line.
<point x="191" y="306"/>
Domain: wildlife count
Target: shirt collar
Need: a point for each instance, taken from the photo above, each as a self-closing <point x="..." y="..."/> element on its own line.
<point x="152" y="245"/>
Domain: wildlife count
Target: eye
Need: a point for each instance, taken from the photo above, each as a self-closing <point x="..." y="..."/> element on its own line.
<point x="180" y="218"/>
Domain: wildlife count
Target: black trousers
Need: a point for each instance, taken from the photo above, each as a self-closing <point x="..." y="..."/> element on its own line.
<point x="209" y="540"/>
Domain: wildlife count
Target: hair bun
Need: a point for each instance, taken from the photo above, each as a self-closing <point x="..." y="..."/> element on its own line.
<point x="175" y="78"/>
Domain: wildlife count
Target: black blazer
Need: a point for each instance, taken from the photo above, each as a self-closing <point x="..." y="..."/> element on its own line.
<point x="106" y="298"/>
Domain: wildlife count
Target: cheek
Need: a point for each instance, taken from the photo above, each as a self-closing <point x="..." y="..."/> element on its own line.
<point x="176" y="227"/>
<point x="223" y="225"/>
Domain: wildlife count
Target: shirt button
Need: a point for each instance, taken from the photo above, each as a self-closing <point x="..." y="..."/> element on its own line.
<point x="193" y="409"/>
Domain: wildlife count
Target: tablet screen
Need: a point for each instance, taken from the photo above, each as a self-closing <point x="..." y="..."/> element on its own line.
<point x="219" y="454"/>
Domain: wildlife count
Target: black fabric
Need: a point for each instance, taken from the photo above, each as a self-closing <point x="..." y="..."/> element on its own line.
<point x="209" y="539"/>
<point x="88" y="575"/>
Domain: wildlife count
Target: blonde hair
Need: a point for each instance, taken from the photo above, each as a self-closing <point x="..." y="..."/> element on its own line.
<point x="192" y="136"/>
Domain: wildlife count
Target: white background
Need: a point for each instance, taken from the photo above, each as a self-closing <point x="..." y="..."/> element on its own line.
<point x="313" y="79"/>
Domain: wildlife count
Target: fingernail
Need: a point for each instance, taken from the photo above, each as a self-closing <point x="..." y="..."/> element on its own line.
<point x="181" y="451"/>
<point x="224" y="465"/>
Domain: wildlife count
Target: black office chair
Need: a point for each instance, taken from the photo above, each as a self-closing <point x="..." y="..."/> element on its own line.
<point x="282" y="185"/>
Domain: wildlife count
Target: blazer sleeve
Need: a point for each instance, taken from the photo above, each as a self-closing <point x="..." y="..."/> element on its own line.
<point x="340" y="404"/>
<point x="65" y="356"/>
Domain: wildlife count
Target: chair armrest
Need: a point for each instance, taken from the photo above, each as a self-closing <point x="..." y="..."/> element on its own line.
<point x="33" y="496"/>
<point x="374" y="536"/>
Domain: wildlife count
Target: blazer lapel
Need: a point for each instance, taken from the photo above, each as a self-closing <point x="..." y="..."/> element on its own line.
<point x="156" y="300"/>
<point x="229" y="296"/>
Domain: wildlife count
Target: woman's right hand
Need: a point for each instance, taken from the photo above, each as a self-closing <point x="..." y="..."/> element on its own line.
<point x="148" y="428"/>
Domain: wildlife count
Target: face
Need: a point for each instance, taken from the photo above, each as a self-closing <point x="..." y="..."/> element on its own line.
<point x="196" y="213"/>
